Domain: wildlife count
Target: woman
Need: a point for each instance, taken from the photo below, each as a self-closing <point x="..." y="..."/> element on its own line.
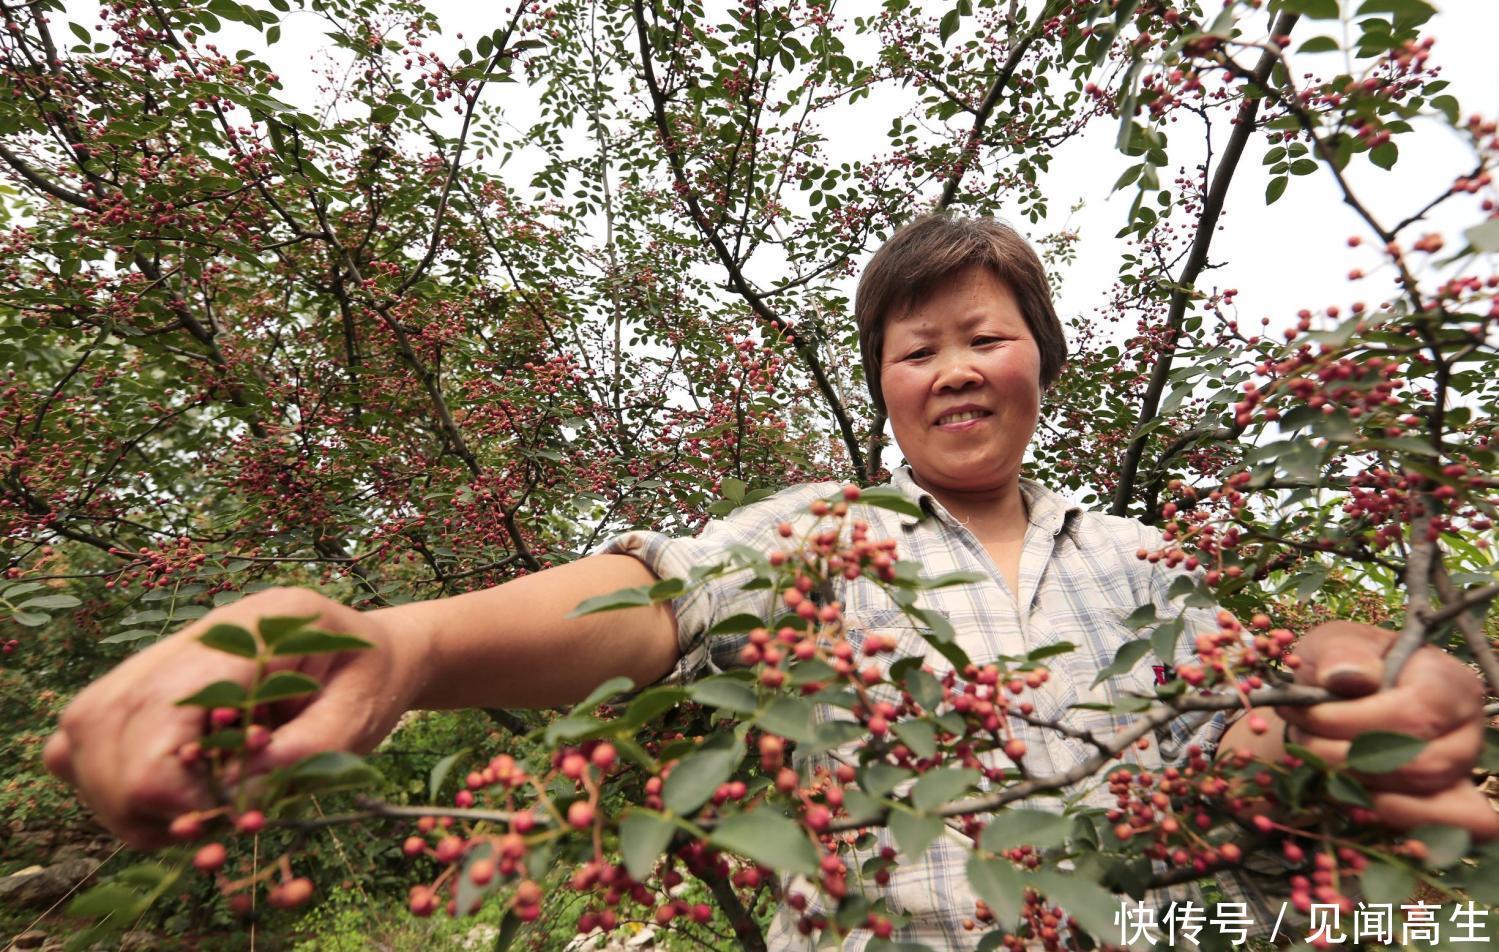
<point x="959" y="339"/>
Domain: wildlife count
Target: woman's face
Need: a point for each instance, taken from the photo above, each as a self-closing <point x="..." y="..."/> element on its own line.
<point x="961" y="375"/>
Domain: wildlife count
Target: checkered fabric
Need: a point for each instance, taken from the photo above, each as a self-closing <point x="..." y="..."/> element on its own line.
<point x="1079" y="580"/>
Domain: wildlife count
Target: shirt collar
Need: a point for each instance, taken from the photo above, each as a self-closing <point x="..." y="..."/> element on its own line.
<point x="1046" y="510"/>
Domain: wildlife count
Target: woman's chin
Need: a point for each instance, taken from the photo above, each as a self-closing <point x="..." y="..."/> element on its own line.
<point x="976" y="477"/>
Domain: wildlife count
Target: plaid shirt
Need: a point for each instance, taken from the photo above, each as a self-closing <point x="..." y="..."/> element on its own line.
<point x="1079" y="580"/>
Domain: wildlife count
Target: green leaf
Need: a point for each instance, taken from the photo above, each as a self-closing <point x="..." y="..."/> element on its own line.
<point x="914" y="832"/>
<point x="643" y="837"/>
<point x="767" y="838"/>
<point x="1409" y="12"/>
<point x="1163" y="640"/>
<point x="648" y="704"/>
<point x="30" y="619"/>
<point x="999" y="885"/>
<point x="624" y="598"/>
<point x="610" y="688"/>
<point x="948" y="579"/>
<point x="792" y="718"/>
<point x="217" y="694"/>
<point x="1383" y="751"/>
<point x="127" y="636"/>
<point x="51" y="602"/>
<point x="1445" y="845"/>
<point x="1125" y="660"/>
<point x="1385" y="155"/>
<point x="1346" y="789"/>
<point x="1313" y="9"/>
<point x="1484" y="237"/>
<point x="275" y="628"/>
<point x="1319" y="44"/>
<point x="231" y="639"/>
<point x="1448" y="107"/>
<point x="729" y="694"/>
<point x="696" y="776"/>
<point x="924" y="688"/>
<point x="1140" y="617"/>
<point x="878" y="779"/>
<point x="1024" y="827"/>
<point x="949" y="25"/>
<point x="888" y="497"/>
<point x="736" y="624"/>
<point x="1275" y="189"/>
<point x="920" y="736"/>
<point x="1086" y="901"/>
<point x="283" y="685"/>
<point x="666" y="589"/>
<point x="510" y="927"/>
<point x="334" y="768"/>
<point x="733" y="490"/>
<point x="311" y="641"/>
<point x="440" y="771"/>
<point x="1488" y="759"/>
<point x="106" y="899"/>
<point x="937" y="788"/>
<point x="1387" y="883"/>
<point x="1047" y="651"/>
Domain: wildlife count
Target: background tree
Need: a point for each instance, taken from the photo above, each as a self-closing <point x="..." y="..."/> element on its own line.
<point x="251" y="342"/>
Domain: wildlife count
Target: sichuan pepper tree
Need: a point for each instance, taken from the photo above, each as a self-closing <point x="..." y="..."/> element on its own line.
<point x="251" y="343"/>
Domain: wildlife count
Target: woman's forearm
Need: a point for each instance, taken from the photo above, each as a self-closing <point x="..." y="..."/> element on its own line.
<point x="515" y="645"/>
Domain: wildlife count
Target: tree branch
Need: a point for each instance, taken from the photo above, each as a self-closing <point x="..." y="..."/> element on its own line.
<point x="806" y="349"/>
<point x="1207" y="225"/>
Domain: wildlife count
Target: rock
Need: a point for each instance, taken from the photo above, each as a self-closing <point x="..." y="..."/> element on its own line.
<point x="479" y="937"/>
<point x="29" y="940"/>
<point x="44" y="886"/>
<point x="95" y="849"/>
<point x="139" y="940"/>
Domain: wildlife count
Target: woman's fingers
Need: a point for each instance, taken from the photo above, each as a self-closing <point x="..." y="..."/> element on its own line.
<point x="1463" y="805"/>
<point x="1443" y="762"/>
<point x="1434" y="695"/>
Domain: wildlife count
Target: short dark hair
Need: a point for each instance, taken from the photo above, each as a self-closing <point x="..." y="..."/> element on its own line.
<point x="929" y="250"/>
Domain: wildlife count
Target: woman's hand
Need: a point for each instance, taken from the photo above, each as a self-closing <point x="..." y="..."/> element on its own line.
<point x="117" y="741"/>
<point x="1437" y="699"/>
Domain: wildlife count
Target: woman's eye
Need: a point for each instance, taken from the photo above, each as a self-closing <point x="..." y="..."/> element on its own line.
<point x="917" y="354"/>
<point x="986" y="340"/>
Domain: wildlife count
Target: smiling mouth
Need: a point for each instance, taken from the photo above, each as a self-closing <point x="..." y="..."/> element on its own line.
<point x="963" y="417"/>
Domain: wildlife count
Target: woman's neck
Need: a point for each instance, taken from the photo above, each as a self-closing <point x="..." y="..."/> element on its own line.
<point x="993" y="513"/>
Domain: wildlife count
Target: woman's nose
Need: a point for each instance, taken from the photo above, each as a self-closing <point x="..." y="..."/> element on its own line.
<point x="955" y="373"/>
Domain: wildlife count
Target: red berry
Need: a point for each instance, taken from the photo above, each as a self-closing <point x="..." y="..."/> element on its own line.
<point x="481" y="871"/>
<point x="188" y="826"/>
<point x="449" y="848"/>
<point x="210" y="857"/>
<point x="603" y="756"/>
<point x="423" y="901"/>
<point x="251" y="821"/>
<point x="257" y="737"/>
<point x="580" y="814"/>
<point x="291" y="894"/>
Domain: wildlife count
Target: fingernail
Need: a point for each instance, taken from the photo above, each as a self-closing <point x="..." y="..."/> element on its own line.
<point x="1345" y="670"/>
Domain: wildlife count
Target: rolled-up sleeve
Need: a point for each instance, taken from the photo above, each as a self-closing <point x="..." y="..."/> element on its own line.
<point x="715" y="598"/>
